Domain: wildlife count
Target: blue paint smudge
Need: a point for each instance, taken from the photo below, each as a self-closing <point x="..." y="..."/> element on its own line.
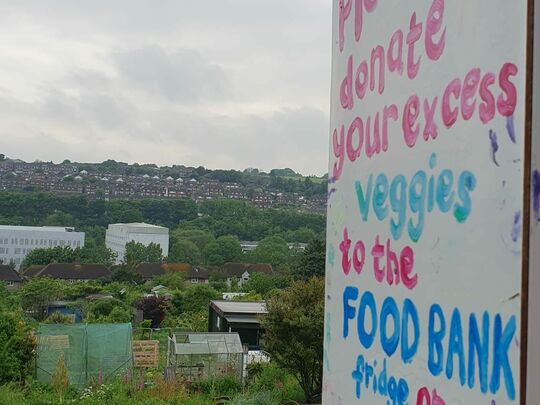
<point x="536" y="194"/>
<point x="516" y="227"/>
<point x="331" y="254"/>
<point x="494" y="146"/>
<point x="510" y="128"/>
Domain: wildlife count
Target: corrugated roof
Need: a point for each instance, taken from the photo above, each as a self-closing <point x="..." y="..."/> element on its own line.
<point x="249" y="318"/>
<point x="240" y="307"/>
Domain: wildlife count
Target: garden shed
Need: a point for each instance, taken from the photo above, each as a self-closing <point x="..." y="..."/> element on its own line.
<point x="92" y="353"/>
<point x="203" y="355"/>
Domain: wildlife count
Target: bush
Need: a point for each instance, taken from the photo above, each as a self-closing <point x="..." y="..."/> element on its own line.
<point x="265" y="377"/>
<point x="107" y="310"/>
<point x="57" y="317"/>
<point x="16" y="349"/>
<point x="220" y="386"/>
<point x="154" y="308"/>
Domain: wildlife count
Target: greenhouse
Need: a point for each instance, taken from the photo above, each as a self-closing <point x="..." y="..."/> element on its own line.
<point x="203" y="355"/>
<point x="91" y="353"/>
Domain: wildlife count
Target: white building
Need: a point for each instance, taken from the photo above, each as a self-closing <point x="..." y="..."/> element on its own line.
<point x="119" y="235"/>
<point x="17" y="241"/>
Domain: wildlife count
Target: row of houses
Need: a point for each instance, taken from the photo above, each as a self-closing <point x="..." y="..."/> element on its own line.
<point x="65" y="179"/>
<point x="75" y="272"/>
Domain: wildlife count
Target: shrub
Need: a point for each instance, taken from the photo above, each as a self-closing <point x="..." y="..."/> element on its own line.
<point x="57" y="317"/>
<point x="16" y="349"/>
<point x="154" y="308"/>
<point x="218" y="386"/>
<point x="269" y="377"/>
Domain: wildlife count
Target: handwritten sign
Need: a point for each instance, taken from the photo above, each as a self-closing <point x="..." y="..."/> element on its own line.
<point x="426" y="202"/>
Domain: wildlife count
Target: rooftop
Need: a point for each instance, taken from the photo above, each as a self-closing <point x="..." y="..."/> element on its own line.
<point x="8" y="274"/>
<point x="240" y="307"/>
<point x="37" y="228"/>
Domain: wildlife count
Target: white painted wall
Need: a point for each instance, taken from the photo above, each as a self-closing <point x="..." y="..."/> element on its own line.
<point x="118" y="235"/>
<point x="17" y="241"/>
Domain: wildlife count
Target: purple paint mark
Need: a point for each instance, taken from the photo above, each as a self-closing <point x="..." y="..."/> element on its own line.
<point x="332" y="191"/>
<point x="536" y="194"/>
<point x="516" y="227"/>
<point x="516" y="341"/>
<point x="510" y="128"/>
<point x="332" y="180"/>
<point x="493" y="402"/>
<point x="494" y="146"/>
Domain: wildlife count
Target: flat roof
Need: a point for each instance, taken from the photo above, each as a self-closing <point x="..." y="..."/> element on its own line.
<point x="241" y="307"/>
<point x="139" y="225"/>
<point x="38" y="228"/>
<point x="141" y="228"/>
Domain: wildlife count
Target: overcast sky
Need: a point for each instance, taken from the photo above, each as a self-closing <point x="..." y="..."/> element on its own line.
<point x="219" y="83"/>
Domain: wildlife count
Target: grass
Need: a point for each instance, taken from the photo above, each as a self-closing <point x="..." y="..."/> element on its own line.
<point x="269" y="385"/>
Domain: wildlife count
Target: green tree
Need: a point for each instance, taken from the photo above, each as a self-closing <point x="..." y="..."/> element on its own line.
<point x="174" y="280"/>
<point x="199" y="237"/>
<point x="137" y="252"/>
<point x="94" y="254"/>
<point x="38" y="293"/>
<point x="107" y="310"/>
<point x="264" y="283"/>
<point x="294" y="331"/>
<point x="58" y="254"/>
<point x="125" y="274"/>
<point x="16" y="348"/>
<point x="273" y="250"/>
<point x="184" y="251"/>
<point x="312" y="261"/>
<point x="195" y="298"/>
<point x="224" y="249"/>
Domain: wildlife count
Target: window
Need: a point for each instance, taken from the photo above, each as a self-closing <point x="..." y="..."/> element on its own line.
<point x="17" y="251"/>
<point x="21" y="241"/>
<point x="10" y="283"/>
<point x="26" y="241"/>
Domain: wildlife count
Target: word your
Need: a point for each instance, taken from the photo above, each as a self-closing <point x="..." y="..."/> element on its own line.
<point x="484" y="362"/>
<point x="416" y="197"/>
<point x="391" y="59"/>
<point x="396" y="271"/>
<point x="366" y="375"/>
<point x="461" y="98"/>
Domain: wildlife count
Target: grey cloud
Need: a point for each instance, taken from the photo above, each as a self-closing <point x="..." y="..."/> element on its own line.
<point x="180" y="76"/>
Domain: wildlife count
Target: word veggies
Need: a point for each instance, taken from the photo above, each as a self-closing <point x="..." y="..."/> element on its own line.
<point x="412" y="198"/>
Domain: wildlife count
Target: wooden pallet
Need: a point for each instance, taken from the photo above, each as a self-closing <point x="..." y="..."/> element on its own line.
<point x="146" y="353"/>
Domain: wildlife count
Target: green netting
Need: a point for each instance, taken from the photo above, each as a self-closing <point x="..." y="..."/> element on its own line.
<point x="93" y="352"/>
